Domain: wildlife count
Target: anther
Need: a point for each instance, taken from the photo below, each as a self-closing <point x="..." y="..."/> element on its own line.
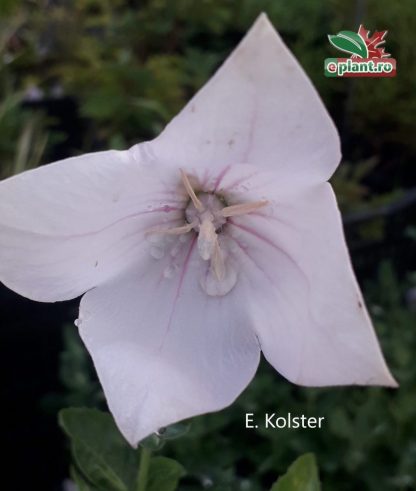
<point x="242" y="209"/>
<point x="184" y="229"/>
<point x="217" y="262"/>
<point x="189" y="189"/>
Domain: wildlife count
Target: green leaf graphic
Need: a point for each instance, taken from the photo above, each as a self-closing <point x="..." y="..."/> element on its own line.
<point x="349" y="42"/>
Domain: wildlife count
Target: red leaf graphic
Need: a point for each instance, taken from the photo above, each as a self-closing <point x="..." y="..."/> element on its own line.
<point x="373" y="42"/>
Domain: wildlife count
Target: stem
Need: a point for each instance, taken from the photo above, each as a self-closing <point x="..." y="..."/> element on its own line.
<point x="143" y="469"/>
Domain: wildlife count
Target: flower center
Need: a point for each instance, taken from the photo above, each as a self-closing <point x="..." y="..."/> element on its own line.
<point x="212" y="205"/>
<point x="206" y="214"/>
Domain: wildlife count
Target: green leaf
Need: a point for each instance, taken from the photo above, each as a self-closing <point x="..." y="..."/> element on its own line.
<point x="350" y="42"/>
<point x="156" y="441"/>
<point x="174" y="431"/>
<point x="302" y="475"/>
<point x="99" y="450"/>
<point x="164" y="474"/>
<point x="79" y="480"/>
<point x="153" y="442"/>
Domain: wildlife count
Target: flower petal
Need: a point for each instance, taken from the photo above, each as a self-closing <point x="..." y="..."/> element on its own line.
<point x="259" y="108"/>
<point x="306" y="306"/>
<point x="68" y="226"/>
<point x="164" y="350"/>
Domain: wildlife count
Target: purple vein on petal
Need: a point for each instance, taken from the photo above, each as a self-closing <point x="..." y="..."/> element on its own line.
<point x="220" y="177"/>
<point x="274" y="246"/>
<point x="282" y="293"/>
<point x="163" y="209"/>
<point x="310" y="314"/>
<point x="274" y="219"/>
<point x="245" y="251"/>
<point x="239" y="181"/>
<point x="178" y="288"/>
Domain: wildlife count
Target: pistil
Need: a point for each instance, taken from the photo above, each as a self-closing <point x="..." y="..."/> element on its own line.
<point x="207" y="237"/>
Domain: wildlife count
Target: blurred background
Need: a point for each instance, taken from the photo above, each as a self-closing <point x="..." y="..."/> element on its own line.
<point x="85" y="75"/>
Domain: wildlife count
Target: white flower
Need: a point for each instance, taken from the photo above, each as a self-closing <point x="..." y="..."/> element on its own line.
<point x="216" y="240"/>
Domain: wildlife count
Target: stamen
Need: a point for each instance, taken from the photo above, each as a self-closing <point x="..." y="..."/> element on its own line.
<point x="184" y="229"/>
<point x="217" y="262"/>
<point x="197" y="203"/>
<point x="242" y="209"/>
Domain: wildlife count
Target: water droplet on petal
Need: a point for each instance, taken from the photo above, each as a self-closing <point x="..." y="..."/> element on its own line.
<point x="155" y="239"/>
<point x="157" y="252"/>
<point x="170" y="270"/>
<point x="214" y="287"/>
<point x="176" y="249"/>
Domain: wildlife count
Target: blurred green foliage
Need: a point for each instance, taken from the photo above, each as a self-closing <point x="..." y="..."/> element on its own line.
<point x="131" y="65"/>
<point x="301" y="476"/>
